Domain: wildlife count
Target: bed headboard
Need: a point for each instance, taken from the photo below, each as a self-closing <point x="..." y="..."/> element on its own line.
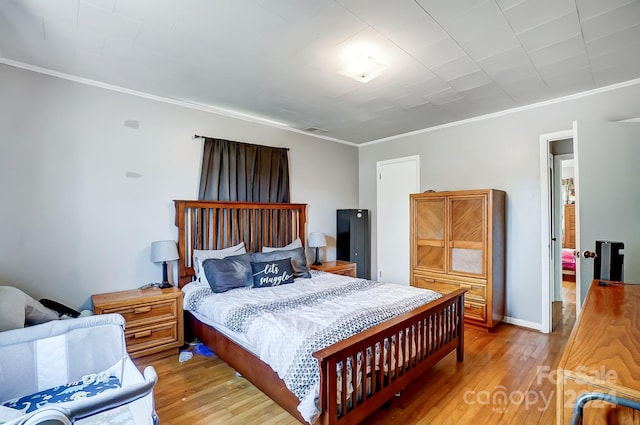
<point x="219" y="224"/>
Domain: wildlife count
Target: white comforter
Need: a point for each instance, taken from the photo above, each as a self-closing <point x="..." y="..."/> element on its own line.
<point x="286" y="324"/>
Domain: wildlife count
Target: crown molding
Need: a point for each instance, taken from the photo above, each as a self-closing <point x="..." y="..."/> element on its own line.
<point x="509" y="111"/>
<point x="283" y="126"/>
<point x="191" y="105"/>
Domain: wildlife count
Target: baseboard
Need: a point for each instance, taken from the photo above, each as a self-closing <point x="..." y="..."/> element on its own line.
<point x="522" y="323"/>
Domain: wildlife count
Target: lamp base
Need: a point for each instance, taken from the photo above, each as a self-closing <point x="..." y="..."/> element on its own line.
<point x="317" y="262"/>
<point x="165" y="280"/>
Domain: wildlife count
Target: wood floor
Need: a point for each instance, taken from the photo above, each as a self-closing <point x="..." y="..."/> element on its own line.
<point x="504" y="379"/>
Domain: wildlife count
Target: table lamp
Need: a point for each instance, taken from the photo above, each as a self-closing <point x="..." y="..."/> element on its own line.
<point x="161" y="252"/>
<point x="317" y="240"/>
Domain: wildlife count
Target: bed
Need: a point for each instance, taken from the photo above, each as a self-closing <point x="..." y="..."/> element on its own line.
<point x="375" y="363"/>
<point x="568" y="265"/>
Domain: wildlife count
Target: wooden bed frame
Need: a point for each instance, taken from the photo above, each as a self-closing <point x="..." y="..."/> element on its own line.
<point x="436" y="328"/>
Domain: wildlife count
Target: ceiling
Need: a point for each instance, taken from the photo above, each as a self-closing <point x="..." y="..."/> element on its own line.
<point x="279" y="60"/>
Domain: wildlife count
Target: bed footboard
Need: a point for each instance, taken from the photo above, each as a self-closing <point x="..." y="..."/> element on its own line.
<point x="361" y="373"/>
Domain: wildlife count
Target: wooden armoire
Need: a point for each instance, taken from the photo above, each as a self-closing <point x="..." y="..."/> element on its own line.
<point x="458" y="241"/>
<point x="569" y="233"/>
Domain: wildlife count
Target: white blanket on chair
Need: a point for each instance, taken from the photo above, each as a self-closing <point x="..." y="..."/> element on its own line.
<point x="18" y="309"/>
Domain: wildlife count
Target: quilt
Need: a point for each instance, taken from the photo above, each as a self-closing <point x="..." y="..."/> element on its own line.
<point x="287" y="324"/>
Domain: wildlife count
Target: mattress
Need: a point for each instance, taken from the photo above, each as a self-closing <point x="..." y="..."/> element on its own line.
<point x="237" y="337"/>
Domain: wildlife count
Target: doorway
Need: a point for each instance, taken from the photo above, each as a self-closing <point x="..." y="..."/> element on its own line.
<point x="607" y="201"/>
<point x="563" y="302"/>
<point x="397" y="179"/>
<point x="554" y="148"/>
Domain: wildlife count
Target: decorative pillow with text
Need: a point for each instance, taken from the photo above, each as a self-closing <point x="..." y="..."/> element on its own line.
<point x="297" y="256"/>
<point x="272" y="273"/>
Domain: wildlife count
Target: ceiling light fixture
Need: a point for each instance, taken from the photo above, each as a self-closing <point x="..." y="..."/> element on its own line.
<point x="362" y="68"/>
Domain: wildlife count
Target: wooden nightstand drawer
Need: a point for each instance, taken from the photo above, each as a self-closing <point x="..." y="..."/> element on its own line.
<point x="344" y="268"/>
<point x="162" y="336"/>
<point x="348" y="271"/>
<point x="149" y="312"/>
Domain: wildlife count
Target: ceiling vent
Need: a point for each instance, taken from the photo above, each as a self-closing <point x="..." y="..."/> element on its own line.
<point x="315" y="130"/>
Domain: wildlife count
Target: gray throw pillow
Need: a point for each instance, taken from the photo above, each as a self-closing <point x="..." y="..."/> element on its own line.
<point x="228" y="273"/>
<point x="298" y="260"/>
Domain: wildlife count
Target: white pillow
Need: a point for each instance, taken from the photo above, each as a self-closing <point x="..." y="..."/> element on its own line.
<point x="295" y="244"/>
<point x="199" y="255"/>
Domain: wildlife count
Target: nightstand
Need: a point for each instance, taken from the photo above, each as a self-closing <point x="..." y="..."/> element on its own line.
<point x="344" y="268"/>
<point x="153" y="319"/>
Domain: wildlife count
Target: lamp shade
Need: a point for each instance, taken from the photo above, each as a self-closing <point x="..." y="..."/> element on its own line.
<point x="162" y="251"/>
<point x="317" y="239"/>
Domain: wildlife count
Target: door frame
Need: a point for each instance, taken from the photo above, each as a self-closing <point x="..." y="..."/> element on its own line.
<point x="413" y="158"/>
<point x="545" y="226"/>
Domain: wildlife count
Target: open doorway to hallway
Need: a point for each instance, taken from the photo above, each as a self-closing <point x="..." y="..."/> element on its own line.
<point x="563" y="230"/>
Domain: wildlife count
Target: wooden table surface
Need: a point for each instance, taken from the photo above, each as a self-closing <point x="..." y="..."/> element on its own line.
<point x="603" y="352"/>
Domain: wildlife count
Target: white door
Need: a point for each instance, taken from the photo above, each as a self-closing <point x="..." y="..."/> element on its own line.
<point x="607" y="167"/>
<point x="397" y="179"/>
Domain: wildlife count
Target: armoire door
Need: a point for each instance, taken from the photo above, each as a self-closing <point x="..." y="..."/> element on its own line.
<point x="430" y="221"/>
<point x="467" y="235"/>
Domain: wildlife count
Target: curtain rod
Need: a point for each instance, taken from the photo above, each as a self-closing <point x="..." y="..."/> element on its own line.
<point x="196" y="136"/>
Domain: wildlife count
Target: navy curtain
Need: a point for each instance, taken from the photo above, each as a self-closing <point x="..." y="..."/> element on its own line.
<point x="234" y="171"/>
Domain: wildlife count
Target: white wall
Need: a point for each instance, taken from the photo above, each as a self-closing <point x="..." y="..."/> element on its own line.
<point x="568" y="170"/>
<point x="502" y="153"/>
<point x="73" y="223"/>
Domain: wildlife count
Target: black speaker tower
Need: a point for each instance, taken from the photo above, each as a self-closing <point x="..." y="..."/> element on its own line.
<point x="609" y="262"/>
<point x="353" y="242"/>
